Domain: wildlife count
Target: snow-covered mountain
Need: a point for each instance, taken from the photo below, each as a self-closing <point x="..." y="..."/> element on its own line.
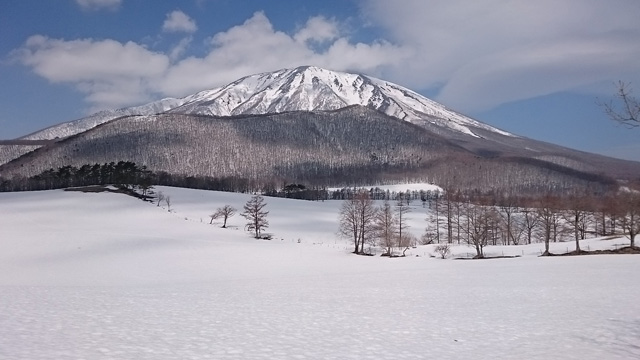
<point x="304" y="88"/>
<point x="314" y="125"/>
<point x="311" y="88"/>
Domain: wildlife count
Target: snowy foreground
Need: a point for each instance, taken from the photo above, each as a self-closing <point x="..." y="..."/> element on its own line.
<point x="106" y="276"/>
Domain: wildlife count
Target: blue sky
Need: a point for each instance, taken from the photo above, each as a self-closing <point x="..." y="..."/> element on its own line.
<point x="536" y="69"/>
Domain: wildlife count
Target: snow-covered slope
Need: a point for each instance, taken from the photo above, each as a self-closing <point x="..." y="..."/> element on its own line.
<point x="304" y="88"/>
<point x="80" y="125"/>
<point x="106" y="276"/>
<point x="311" y="88"/>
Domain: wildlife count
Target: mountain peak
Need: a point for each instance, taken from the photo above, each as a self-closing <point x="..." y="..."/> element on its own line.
<point x="307" y="88"/>
<point x="304" y="88"/>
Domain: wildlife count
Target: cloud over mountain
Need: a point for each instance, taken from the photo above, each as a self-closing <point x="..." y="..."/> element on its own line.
<point x="115" y="74"/>
<point x="455" y="49"/>
<point x="505" y="46"/>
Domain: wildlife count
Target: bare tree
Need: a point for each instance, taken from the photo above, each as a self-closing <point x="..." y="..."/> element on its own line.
<point x="436" y="214"/>
<point x="443" y="250"/>
<point x="356" y="220"/>
<point x="493" y="225"/>
<point x="256" y="215"/>
<point x="626" y="108"/>
<point x="529" y="222"/>
<point x="548" y="215"/>
<point x="408" y="240"/>
<point x="160" y="197"/>
<point x="508" y="208"/>
<point x="167" y="200"/>
<point x="477" y="227"/>
<point x="630" y="215"/>
<point x="402" y="209"/>
<point x="448" y="211"/>
<point x="458" y="206"/>
<point x="576" y="216"/>
<point x="225" y="213"/>
<point x="385" y="228"/>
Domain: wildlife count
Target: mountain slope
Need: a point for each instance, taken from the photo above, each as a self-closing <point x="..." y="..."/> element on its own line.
<point x="349" y="146"/>
<point x="316" y="125"/>
<point x="77" y="126"/>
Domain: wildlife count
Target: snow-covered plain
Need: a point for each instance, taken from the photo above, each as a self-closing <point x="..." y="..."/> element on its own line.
<point x="106" y="276"/>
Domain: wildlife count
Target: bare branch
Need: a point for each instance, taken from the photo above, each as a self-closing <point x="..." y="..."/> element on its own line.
<point x="626" y="108"/>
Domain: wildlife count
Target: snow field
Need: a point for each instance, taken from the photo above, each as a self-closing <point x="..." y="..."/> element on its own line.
<point x="106" y="276"/>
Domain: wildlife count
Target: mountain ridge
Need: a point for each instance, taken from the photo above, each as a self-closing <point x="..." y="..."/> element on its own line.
<point x="304" y="88"/>
<point x="284" y="113"/>
<point x="350" y="146"/>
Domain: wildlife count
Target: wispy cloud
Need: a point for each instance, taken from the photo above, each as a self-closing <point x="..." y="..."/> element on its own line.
<point x="99" y="4"/>
<point x="485" y="53"/>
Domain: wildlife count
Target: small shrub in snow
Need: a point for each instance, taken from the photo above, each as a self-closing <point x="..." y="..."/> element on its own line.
<point x="443" y="250"/>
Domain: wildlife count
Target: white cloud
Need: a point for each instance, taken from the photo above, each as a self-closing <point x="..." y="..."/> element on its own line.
<point x="180" y="48"/>
<point x="491" y="52"/>
<point x="255" y="46"/>
<point x="318" y="29"/>
<point x="478" y="55"/>
<point x="99" y="4"/>
<point x="111" y="73"/>
<point x="177" y="21"/>
<point x="114" y="74"/>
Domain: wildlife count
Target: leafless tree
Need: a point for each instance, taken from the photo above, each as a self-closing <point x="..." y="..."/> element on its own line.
<point x="435" y="217"/>
<point x="225" y="213"/>
<point x="493" y="225"/>
<point x="256" y="215"/>
<point x="576" y="215"/>
<point x="429" y="235"/>
<point x="408" y="241"/>
<point x="356" y="220"/>
<point x="604" y="210"/>
<point x="402" y="209"/>
<point x="477" y="227"/>
<point x="458" y="206"/>
<point x="160" y="197"/>
<point x="630" y="208"/>
<point x="386" y="228"/>
<point x="443" y="250"/>
<point x="508" y="208"/>
<point x="529" y="222"/>
<point x="626" y="108"/>
<point x="548" y="215"/>
<point x="446" y="208"/>
<point x="167" y="200"/>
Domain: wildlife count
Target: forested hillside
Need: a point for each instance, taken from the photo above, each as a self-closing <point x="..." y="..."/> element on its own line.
<point x="351" y="146"/>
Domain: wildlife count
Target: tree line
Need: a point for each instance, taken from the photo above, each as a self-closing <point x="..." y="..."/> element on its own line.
<point x="455" y="217"/>
<point x="123" y="174"/>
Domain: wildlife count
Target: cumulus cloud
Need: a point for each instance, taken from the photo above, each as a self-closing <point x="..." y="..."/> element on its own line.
<point x="111" y="73"/>
<point x="255" y="46"/>
<point x="318" y="29"/>
<point x="99" y="4"/>
<point x="177" y="21"/>
<point x="115" y="74"/>
<point x="483" y="54"/>
<point x="474" y="55"/>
